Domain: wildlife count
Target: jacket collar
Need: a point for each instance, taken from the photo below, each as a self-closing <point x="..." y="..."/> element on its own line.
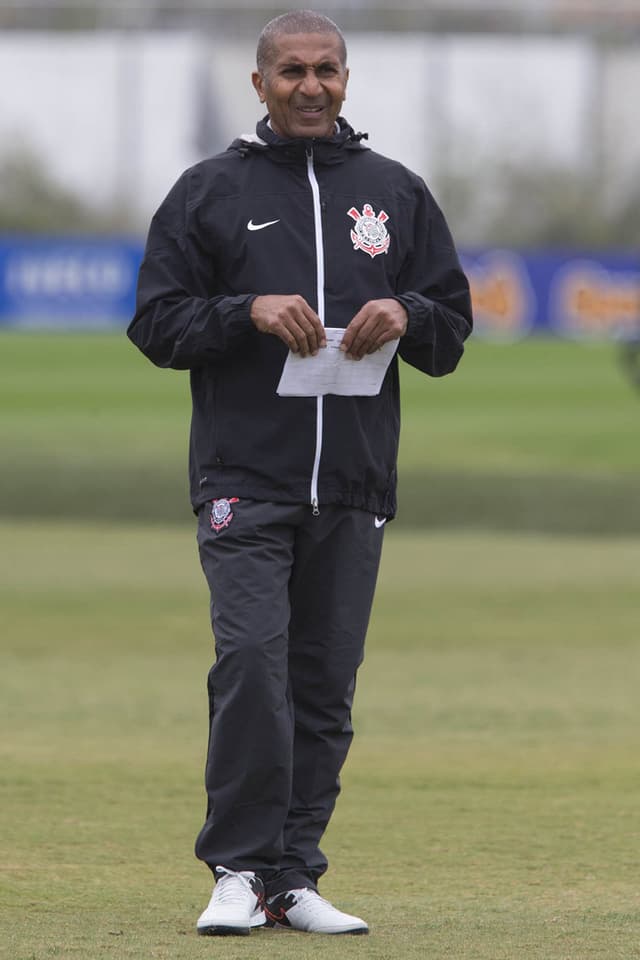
<point x="326" y="150"/>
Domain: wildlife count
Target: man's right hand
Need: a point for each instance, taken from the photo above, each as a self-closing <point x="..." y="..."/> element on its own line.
<point x="292" y="320"/>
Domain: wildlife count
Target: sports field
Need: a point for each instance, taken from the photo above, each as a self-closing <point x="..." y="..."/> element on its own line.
<point x="492" y="797"/>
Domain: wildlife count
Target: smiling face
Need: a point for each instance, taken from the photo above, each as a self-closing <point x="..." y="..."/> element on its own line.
<point x="303" y="84"/>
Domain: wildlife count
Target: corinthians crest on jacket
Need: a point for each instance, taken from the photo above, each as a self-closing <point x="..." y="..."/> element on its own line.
<point x="370" y="233"/>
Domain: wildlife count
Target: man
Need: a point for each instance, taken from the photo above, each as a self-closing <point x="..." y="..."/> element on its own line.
<point x="253" y="254"/>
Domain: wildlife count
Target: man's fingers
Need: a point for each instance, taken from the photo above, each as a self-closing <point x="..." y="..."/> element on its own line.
<point x="305" y="336"/>
<point x="299" y="327"/>
<point x="362" y="334"/>
<point x="375" y="324"/>
<point x="366" y="338"/>
<point x="311" y="326"/>
<point x="353" y="332"/>
<point x="291" y="319"/>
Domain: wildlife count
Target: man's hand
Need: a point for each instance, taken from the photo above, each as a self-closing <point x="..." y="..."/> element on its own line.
<point x="375" y="324"/>
<point x="292" y="320"/>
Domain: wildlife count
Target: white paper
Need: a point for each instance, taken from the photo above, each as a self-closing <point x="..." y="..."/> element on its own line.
<point x="331" y="371"/>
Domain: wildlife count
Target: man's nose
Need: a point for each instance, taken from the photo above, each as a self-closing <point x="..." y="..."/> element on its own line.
<point x="311" y="85"/>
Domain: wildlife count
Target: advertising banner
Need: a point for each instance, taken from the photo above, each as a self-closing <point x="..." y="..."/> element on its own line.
<point x="67" y="283"/>
<point x="569" y="294"/>
<point x="85" y="283"/>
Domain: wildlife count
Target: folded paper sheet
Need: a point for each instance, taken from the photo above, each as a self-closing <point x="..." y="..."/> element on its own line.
<point x="331" y="371"/>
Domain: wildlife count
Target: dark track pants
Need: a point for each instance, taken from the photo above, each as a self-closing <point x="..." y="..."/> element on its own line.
<point x="291" y="596"/>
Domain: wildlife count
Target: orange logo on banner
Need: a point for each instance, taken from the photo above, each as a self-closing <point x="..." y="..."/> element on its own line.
<point x="592" y="301"/>
<point x="502" y="296"/>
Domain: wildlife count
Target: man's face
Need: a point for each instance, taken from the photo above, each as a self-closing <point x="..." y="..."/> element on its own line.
<point x="304" y="84"/>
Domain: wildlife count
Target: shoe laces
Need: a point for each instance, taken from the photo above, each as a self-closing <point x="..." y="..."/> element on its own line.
<point x="232" y="887"/>
<point x="311" y="901"/>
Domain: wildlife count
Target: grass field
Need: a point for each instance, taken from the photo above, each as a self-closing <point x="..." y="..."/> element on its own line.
<point x="492" y="796"/>
<point x="540" y="435"/>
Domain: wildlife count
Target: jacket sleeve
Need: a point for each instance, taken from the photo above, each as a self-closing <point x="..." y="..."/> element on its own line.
<point x="435" y="292"/>
<point x="179" y="321"/>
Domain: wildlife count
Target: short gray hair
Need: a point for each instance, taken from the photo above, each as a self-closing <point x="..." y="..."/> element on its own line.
<point x="296" y="21"/>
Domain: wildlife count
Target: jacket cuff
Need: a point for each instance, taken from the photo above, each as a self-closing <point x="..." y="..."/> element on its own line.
<point x="236" y="313"/>
<point x="419" y="317"/>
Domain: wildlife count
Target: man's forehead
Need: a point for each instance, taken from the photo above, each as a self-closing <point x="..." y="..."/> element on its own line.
<point x="308" y="48"/>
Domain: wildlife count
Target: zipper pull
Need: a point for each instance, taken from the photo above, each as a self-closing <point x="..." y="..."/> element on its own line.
<point x="315" y="507"/>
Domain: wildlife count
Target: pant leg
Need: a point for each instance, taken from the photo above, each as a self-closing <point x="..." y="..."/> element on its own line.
<point x="249" y="762"/>
<point x="332" y="588"/>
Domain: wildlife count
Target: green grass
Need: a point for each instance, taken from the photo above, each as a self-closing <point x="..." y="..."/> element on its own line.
<point x="539" y="435"/>
<point x="490" y="803"/>
<point x="540" y="406"/>
<point x="490" y="809"/>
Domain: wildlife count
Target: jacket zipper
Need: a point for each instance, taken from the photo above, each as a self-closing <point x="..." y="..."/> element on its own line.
<point x="317" y="220"/>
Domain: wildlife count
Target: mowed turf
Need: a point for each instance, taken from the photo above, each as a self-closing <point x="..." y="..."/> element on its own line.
<point x="540" y="435"/>
<point x="491" y="796"/>
<point x="491" y="799"/>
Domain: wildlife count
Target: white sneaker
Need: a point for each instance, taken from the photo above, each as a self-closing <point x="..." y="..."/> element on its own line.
<point x="306" y="910"/>
<point x="236" y="904"/>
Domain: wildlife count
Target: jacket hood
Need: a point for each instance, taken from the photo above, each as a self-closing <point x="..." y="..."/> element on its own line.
<point x="282" y="150"/>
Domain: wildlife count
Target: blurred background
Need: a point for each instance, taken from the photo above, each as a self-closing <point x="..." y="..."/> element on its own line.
<point x="523" y="117"/>
<point x="522" y="114"/>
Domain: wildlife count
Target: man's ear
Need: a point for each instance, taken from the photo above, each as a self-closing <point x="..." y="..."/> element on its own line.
<point x="256" y="80"/>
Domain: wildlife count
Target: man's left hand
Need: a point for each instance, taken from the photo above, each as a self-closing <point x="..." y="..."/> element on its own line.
<point x="377" y="322"/>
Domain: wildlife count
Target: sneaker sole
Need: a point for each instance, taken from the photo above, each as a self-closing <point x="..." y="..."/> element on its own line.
<point x="281" y="928"/>
<point x="224" y="931"/>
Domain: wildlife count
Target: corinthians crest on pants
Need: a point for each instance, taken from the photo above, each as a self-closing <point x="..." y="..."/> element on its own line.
<point x="370" y="233"/>
<point x="221" y="513"/>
